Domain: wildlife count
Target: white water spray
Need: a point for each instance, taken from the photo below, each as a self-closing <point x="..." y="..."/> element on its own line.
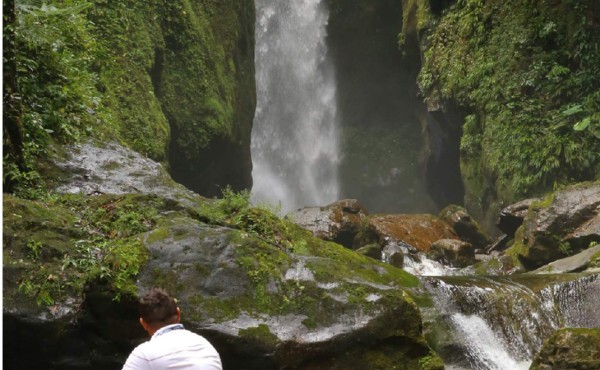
<point x="295" y="138"/>
<point x="486" y="350"/>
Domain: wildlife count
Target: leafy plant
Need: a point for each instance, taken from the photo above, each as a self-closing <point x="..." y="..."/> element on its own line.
<point x="35" y="249"/>
<point x="528" y="74"/>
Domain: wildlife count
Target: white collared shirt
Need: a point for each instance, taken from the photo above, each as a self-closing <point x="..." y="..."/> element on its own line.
<point x="173" y="347"/>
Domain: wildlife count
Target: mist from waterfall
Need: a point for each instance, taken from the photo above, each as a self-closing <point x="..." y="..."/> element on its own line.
<point x="295" y="136"/>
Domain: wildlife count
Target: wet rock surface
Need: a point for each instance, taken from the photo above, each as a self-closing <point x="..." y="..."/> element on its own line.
<point x="465" y="226"/>
<point x="587" y="259"/>
<point x="455" y="253"/>
<point x="570" y="349"/>
<point x="512" y="217"/>
<point x="419" y="230"/>
<point x="339" y="222"/>
<point x="564" y="223"/>
<point x="114" y="169"/>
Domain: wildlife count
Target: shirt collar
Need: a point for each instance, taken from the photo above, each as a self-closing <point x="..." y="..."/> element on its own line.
<point x="168" y="328"/>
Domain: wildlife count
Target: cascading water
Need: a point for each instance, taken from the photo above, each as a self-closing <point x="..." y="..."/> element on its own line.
<point x="500" y="323"/>
<point x="295" y="138"/>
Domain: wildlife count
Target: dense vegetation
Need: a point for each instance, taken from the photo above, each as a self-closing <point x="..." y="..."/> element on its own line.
<point x="527" y="74"/>
<point x="164" y="78"/>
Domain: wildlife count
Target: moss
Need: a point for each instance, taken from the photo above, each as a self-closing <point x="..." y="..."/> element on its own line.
<point x="570" y="348"/>
<point x="594" y="260"/>
<point x="142" y="73"/>
<point x="543" y="203"/>
<point x="518" y="248"/>
<point x="157" y="234"/>
<point x="217" y="309"/>
<point x="431" y="362"/>
<point x="260" y="334"/>
<point x="398" y="354"/>
<point x="416" y="16"/>
<point x="512" y="70"/>
<point x="59" y="245"/>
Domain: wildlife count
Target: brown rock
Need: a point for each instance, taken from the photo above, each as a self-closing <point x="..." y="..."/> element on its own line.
<point x="419" y="230"/>
<point x="338" y="222"/>
<point x="456" y="253"/>
<point x="465" y="227"/>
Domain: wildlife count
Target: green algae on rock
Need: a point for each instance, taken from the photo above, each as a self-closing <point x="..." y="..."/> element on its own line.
<point x="570" y="348"/>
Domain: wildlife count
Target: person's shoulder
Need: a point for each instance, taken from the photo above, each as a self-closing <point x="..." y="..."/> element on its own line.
<point x="141" y="349"/>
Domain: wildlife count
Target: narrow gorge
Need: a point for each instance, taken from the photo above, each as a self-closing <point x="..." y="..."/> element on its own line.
<point x="322" y="184"/>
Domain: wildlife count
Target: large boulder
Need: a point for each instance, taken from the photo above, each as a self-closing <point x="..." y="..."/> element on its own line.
<point x="563" y="223"/>
<point x="111" y="168"/>
<point x="582" y="261"/>
<point x="570" y="349"/>
<point x="418" y="231"/>
<point x="264" y="291"/>
<point x="267" y="308"/>
<point x="339" y="222"/>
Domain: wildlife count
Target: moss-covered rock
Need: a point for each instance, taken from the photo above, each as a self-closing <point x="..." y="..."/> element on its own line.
<point x="559" y="225"/>
<point x="257" y="301"/>
<point x="173" y="81"/>
<point x="204" y="78"/>
<point x="570" y="348"/>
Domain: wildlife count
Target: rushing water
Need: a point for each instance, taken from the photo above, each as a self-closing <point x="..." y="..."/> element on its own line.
<point x="295" y="136"/>
<point x="500" y="323"/>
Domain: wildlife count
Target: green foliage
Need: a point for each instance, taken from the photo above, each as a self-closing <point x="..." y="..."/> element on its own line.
<point x="105" y="248"/>
<point x="117" y="69"/>
<point x="565" y="248"/>
<point x="260" y="333"/>
<point x="51" y="51"/>
<point x="234" y="210"/>
<point x="116" y="262"/>
<point x="530" y="75"/>
<point x="35" y="249"/>
<point x="416" y="16"/>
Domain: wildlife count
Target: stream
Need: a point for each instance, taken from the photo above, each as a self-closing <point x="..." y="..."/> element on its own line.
<point x="501" y="322"/>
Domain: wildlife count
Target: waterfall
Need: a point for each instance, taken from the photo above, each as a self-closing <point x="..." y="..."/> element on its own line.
<point x="500" y="323"/>
<point x="294" y="139"/>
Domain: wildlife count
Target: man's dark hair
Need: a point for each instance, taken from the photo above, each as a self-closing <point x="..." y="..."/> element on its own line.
<point x="157" y="306"/>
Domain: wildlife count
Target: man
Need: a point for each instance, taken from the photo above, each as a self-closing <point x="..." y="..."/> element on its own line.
<point x="170" y="345"/>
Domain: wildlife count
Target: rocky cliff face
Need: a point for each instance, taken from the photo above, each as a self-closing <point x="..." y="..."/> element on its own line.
<point x="174" y="82"/>
<point x="499" y="84"/>
<point x="203" y="76"/>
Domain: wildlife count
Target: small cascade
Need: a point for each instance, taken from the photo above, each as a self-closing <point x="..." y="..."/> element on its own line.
<point x="578" y="301"/>
<point x="415" y="262"/>
<point x="485" y="349"/>
<point x="295" y="135"/>
<point x="501" y="322"/>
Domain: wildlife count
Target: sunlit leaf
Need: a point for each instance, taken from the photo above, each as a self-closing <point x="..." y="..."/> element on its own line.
<point x="573" y="110"/>
<point x="582" y="125"/>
